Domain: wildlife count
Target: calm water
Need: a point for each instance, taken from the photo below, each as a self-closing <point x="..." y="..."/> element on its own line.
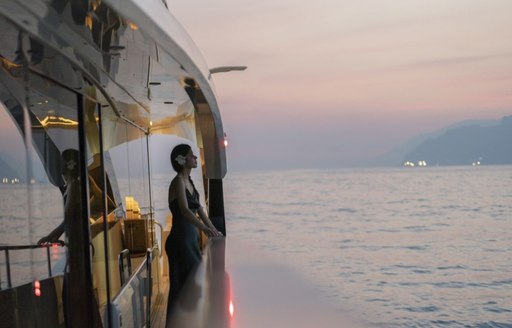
<point x="401" y="247"/>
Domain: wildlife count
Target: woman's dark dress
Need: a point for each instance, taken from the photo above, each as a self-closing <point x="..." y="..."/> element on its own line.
<point x="182" y="246"/>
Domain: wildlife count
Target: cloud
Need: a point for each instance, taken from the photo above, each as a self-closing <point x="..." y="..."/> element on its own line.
<point x="353" y="63"/>
<point x="451" y="61"/>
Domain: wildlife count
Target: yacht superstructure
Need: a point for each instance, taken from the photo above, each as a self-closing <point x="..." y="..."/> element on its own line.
<point x="97" y="77"/>
<point x="84" y="84"/>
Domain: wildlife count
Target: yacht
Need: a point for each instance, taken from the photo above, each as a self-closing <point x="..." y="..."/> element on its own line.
<point x="98" y="80"/>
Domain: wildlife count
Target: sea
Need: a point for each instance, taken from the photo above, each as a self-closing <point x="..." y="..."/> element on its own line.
<point x="399" y="247"/>
<point x="396" y="247"/>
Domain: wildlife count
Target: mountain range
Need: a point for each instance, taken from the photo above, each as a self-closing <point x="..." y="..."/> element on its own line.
<point x="464" y="143"/>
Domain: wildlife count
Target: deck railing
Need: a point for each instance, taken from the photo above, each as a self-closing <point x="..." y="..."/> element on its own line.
<point x="8" y="249"/>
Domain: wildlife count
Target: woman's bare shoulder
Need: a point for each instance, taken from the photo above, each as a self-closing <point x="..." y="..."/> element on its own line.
<point x="176" y="183"/>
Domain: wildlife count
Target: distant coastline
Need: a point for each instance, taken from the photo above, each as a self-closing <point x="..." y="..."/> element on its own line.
<point x="466" y="143"/>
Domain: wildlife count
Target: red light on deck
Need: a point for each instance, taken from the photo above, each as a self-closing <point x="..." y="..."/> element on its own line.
<point x="231" y="308"/>
<point x="37" y="288"/>
<point x="55" y="249"/>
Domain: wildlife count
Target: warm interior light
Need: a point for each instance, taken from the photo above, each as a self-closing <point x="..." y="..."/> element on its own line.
<point x="57" y="121"/>
<point x="8" y="64"/>
<point x="231" y="308"/>
<point x="88" y="22"/>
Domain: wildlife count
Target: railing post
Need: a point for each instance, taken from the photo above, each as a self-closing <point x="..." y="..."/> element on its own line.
<point x="149" y="286"/>
<point x="49" y="261"/>
<point x="8" y="265"/>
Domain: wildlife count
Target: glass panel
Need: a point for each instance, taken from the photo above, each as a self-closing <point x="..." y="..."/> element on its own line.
<point x="125" y="152"/>
<point x="41" y="191"/>
<point x="100" y="172"/>
<point x="31" y="199"/>
<point x="14" y="214"/>
<point x="37" y="195"/>
<point x="54" y="129"/>
<point x="138" y="174"/>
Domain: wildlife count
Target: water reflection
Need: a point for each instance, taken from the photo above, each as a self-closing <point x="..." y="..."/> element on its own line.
<point x="205" y="298"/>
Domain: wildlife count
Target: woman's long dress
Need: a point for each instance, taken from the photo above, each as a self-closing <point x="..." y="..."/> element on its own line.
<point x="182" y="246"/>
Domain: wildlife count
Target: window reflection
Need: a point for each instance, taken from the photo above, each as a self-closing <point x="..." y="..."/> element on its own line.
<point x="32" y="200"/>
<point x="29" y="204"/>
<point x="36" y="203"/>
<point x="125" y="155"/>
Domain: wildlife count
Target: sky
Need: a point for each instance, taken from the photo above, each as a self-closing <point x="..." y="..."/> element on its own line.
<point x="334" y="83"/>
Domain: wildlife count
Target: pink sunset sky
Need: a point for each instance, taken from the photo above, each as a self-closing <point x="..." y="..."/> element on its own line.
<point x="333" y="83"/>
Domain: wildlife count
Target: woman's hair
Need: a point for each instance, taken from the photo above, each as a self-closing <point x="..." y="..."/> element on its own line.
<point x="182" y="150"/>
<point x="70" y="162"/>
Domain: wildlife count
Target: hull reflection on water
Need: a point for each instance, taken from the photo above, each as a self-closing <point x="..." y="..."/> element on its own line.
<point x="236" y="286"/>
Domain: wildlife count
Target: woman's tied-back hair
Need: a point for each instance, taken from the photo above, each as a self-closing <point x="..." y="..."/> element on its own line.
<point x="182" y="150"/>
<point x="70" y="161"/>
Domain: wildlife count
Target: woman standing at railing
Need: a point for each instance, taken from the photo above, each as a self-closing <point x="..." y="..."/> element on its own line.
<point x="188" y="217"/>
<point x="72" y="211"/>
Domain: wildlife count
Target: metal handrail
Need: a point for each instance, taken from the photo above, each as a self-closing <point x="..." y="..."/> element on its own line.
<point x="17" y="247"/>
<point x="127" y="286"/>
<point x="150" y="218"/>
<point x="161" y="237"/>
<point x="148" y="284"/>
<point x="7" y="248"/>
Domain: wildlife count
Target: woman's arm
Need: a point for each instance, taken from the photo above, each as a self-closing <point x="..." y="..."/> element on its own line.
<point x="52" y="236"/>
<point x="72" y="200"/>
<point x="202" y="214"/>
<point x="185" y="211"/>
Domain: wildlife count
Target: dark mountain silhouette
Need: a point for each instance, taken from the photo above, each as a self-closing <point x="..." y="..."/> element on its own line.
<point x="11" y="166"/>
<point x="467" y="144"/>
<point x="396" y="156"/>
<point x="7" y="171"/>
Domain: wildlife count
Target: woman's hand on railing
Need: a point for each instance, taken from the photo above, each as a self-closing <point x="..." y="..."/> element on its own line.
<point x="212" y="232"/>
<point x="49" y="240"/>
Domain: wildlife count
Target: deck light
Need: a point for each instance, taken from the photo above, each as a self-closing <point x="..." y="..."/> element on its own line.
<point x="55" y="251"/>
<point x="37" y="288"/>
<point x="231" y="308"/>
<point x="225" y="140"/>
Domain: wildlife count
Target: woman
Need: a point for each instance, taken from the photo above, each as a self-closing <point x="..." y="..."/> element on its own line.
<point x="72" y="210"/>
<point x="182" y="245"/>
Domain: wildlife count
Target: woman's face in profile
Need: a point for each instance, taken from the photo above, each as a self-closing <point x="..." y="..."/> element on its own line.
<point x="191" y="159"/>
